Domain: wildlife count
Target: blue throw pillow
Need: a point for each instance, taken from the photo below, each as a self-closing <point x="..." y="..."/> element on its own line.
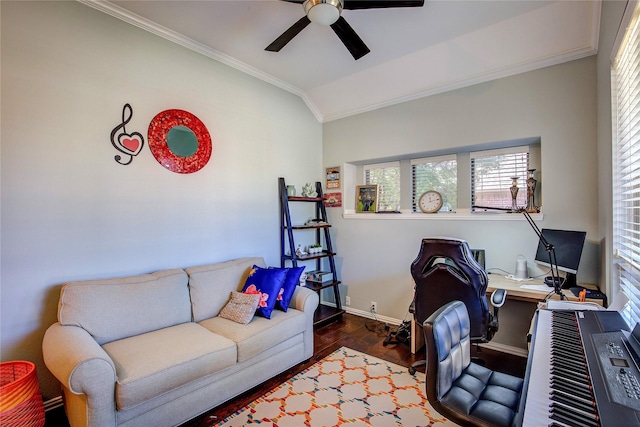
<point x="291" y="280"/>
<point x="267" y="282"/>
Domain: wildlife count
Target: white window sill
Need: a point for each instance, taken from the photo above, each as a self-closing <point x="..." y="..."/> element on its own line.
<point x="461" y="215"/>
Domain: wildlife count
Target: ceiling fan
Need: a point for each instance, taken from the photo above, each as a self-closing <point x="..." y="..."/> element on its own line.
<point x="327" y="12"/>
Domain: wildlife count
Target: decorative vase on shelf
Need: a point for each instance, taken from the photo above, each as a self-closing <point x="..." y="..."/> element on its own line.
<point x="291" y="190"/>
<point x="514" y="193"/>
<point x="531" y="190"/>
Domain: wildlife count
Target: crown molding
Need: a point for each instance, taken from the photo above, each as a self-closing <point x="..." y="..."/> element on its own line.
<point x="170" y="35"/>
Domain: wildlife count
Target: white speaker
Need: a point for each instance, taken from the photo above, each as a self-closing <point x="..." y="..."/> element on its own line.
<point x="521" y="268"/>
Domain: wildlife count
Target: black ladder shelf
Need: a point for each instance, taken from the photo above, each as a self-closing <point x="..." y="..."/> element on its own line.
<point x="325" y="313"/>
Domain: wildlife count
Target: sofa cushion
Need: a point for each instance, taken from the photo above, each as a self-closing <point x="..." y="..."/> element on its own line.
<point x="266" y="282"/>
<point x="288" y="287"/>
<point x="118" y="308"/>
<point x="241" y="307"/>
<point x="261" y="334"/>
<point x="210" y="285"/>
<point x="154" y="363"/>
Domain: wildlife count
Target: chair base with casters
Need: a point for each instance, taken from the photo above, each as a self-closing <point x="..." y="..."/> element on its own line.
<point x="465" y="392"/>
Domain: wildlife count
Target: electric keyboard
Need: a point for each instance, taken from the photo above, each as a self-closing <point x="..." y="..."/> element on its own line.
<point x="582" y="371"/>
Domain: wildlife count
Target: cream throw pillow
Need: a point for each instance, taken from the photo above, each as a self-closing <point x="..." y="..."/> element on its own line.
<point x="241" y="307"/>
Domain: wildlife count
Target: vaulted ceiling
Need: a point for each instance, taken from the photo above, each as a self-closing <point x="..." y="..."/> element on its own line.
<point x="415" y="52"/>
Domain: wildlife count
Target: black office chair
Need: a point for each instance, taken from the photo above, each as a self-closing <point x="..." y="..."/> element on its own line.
<point x="465" y="392"/>
<point x="444" y="271"/>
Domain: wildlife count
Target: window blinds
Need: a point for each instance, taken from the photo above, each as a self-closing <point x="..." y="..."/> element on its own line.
<point x="625" y="78"/>
<point x="387" y="176"/>
<point x="435" y="173"/>
<point x="491" y="176"/>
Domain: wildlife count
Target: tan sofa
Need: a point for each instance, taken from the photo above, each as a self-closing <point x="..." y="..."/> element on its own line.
<point x="149" y="350"/>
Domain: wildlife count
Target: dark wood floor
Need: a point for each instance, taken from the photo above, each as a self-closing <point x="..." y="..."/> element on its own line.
<point x="358" y="333"/>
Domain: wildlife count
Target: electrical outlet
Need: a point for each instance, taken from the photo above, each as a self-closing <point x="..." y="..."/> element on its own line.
<point x="374" y="306"/>
<point x="347" y="300"/>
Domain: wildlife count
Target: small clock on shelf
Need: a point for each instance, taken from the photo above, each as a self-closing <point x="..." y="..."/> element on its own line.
<point x="430" y="201"/>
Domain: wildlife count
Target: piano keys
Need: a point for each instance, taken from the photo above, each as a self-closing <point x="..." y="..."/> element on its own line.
<point x="582" y="371"/>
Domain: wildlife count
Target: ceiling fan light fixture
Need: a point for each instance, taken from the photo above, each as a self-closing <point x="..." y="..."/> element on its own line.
<point x="323" y="12"/>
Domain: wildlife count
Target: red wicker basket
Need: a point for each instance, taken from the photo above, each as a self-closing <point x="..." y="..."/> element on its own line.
<point x="20" y="398"/>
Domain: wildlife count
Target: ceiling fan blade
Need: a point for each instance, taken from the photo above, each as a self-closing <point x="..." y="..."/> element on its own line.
<point x="288" y="35"/>
<point x="381" y="4"/>
<point x="351" y="40"/>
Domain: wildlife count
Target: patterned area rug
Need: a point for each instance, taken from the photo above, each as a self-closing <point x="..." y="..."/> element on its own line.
<point x="346" y="387"/>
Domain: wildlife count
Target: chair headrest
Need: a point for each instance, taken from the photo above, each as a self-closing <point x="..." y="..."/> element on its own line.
<point x="452" y="252"/>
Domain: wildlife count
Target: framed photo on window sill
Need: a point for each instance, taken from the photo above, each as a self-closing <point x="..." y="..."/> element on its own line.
<point x="367" y="198"/>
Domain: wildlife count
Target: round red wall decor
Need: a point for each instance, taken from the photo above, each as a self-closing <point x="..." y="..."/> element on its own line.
<point x="159" y="128"/>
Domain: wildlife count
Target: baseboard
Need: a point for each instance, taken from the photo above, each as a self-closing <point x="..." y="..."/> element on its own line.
<point x="516" y="351"/>
<point x="366" y="314"/>
<point x="52" y="404"/>
<point x="504" y="348"/>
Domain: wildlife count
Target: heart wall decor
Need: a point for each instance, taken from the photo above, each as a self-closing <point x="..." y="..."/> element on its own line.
<point x="132" y="143"/>
<point x="129" y="144"/>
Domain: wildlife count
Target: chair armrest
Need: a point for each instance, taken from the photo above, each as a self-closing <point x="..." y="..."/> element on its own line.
<point x="304" y="299"/>
<point x="498" y="297"/>
<point x="83" y="367"/>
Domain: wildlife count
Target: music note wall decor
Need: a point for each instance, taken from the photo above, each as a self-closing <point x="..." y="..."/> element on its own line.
<point x="177" y="139"/>
<point x="129" y="144"/>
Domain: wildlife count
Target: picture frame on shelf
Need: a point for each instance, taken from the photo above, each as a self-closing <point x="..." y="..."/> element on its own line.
<point x="367" y="198"/>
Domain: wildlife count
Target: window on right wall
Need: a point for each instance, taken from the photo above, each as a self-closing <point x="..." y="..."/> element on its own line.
<point x="492" y="176"/>
<point x="625" y="76"/>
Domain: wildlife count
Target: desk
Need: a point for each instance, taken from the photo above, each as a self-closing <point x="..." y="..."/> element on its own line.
<point x="515" y="291"/>
<point x="524" y="304"/>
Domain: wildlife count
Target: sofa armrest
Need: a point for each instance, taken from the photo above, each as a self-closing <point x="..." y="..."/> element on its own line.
<point x="83" y="367"/>
<point x="307" y="301"/>
<point x="304" y="299"/>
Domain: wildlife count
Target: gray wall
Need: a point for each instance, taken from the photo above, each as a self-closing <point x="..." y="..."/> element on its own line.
<point x="70" y="212"/>
<point x="556" y="104"/>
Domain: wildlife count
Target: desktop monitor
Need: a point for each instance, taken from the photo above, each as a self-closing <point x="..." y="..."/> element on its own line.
<point x="568" y="246"/>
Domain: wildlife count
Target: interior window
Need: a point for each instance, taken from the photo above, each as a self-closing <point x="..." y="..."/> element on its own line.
<point x="435" y="173"/>
<point x="387" y="177"/>
<point x="493" y="173"/>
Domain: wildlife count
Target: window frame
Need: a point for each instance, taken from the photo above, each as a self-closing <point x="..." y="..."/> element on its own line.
<point x="353" y="175"/>
<point x="381" y="190"/>
<point x="625" y="112"/>
<point x="415" y="195"/>
<point x="522" y="176"/>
